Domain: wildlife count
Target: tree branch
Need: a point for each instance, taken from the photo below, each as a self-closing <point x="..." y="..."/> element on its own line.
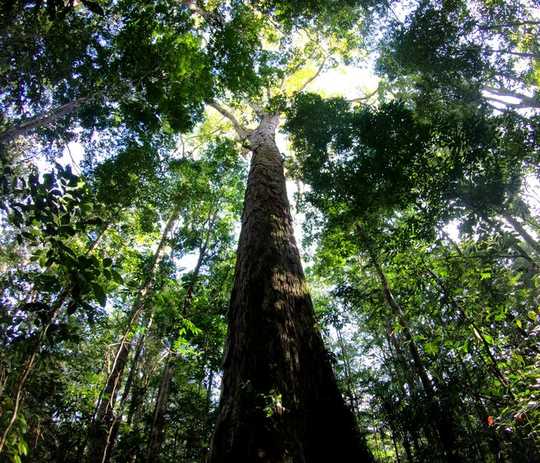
<point x="511" y="24"/>
<point x="365" y="97"/>
<point x="520" y="105"/>
<point x="314" y="76"/>
<point x="498" y="93"/>
<point x="42" y="120"/>
<point x="240" y="130"/>
<point x="257" y="108"/>
<point x="212" y="19"/>
<point x="514" y="53"/>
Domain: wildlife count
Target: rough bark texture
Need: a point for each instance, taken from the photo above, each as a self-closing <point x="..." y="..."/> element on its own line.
<point x="280" y="402"/>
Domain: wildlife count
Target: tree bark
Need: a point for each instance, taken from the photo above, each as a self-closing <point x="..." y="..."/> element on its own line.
<point x="134" y="368"/>
<point x="99" y="436"/>
<point x="280" y="401"/>
<point x="440" y="418"/>
<point x="394" y="441"/>
<point x="42" y="120"/>
<point x="520" y="229"/>
<point x="162" y="399"/>
<point x="160" y="408"/>
<point x="347" y="371"/>
<point x="510" y="24"/>
<point x="496" y="225"/>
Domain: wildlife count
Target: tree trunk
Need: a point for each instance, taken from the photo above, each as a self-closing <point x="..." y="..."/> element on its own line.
<point x="209" y="388"/>
<point x="440" y="418"/>
<point x="407" y="447"/>
<point x="394" y="441"/>
<point x="520" y="229"/>
<point x="162" y="399"/>
<point x="41" y="120"/>
<point x="32" y="359"/>
<point x="160" y="407"/>
<point x="347" y="371"/>
<point x="407" y="376"/>
<point x="134" y="368"/>
<point x="280" y="402"/>
<point x="497" y="226"/>
<point x="99" y="436"/>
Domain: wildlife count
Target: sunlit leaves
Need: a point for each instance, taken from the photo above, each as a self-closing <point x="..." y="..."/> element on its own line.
<point x="52" y="216"/>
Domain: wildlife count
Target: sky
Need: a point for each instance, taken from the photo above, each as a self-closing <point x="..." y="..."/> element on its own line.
<point x="347" y="81"/>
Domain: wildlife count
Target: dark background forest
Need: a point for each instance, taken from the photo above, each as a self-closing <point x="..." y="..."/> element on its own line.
<point x="153" y="303"/>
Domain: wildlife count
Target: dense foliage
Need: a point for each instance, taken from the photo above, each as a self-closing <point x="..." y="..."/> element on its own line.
<point x="123" y="133"/>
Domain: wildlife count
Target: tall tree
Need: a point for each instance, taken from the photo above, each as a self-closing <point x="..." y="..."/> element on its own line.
<point x="280" y="400"/>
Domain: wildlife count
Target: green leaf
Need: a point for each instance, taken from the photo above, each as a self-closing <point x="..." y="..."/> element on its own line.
<point x="100" y="294"/>
<point x="22" y="447"/>
<point x="117" y="277"/>
<point x="431" y="348"/>
<point x="465" y="347"/>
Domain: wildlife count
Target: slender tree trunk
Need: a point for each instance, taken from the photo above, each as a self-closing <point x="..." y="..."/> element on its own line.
<point x="42" y="120"/>
<point x="162" y="399"/>
<point x="99" y="436"/>
<point x="440" y="417"/>
<point x="497" y="226"/>
<point x="510" y="24"/>
<point x="134" y="365"/>
<point x="32" y="359"/>
<point x="279" y="402"/>
<point x="134" y="368"/>
<point x="501" y="93"/>
<point x="135" y="412"/>
<point x="489" y="433"/>
<point x="347" y="370"/>
<point x="160" y="408"/>
<point x="407" y="447"/>
<point x="403" y="372"/>
<point x="394" y="441"/>
<point x="409" y="377"/>
<point x="523" y="54"/>
<point x="520" y="229"/>
<point x="400" y="316"/>
<point x="209" y="388"/>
